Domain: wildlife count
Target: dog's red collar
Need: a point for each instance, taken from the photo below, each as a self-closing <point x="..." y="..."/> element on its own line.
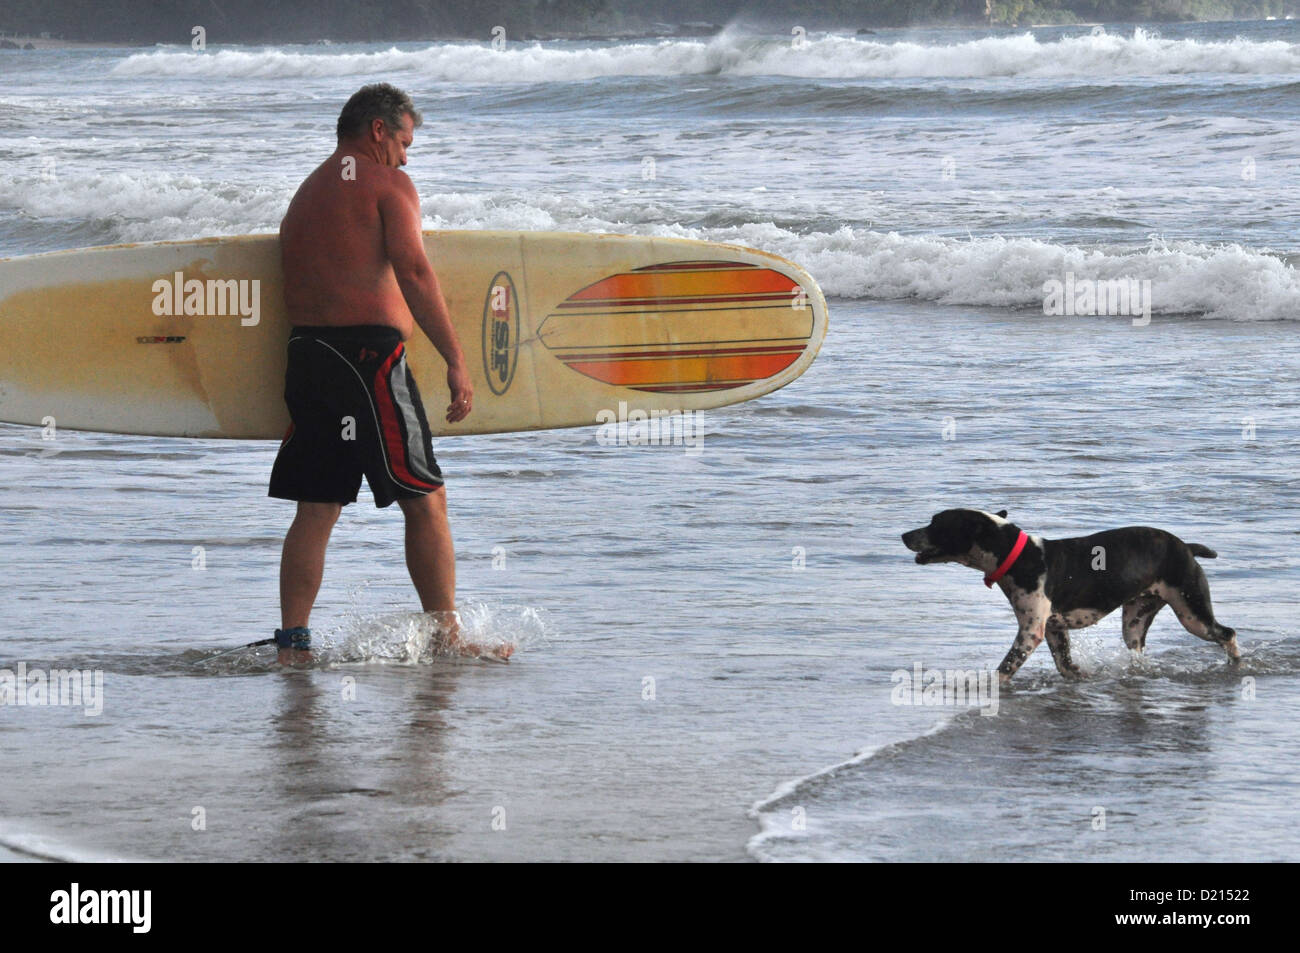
<point x="1010" y="561"/>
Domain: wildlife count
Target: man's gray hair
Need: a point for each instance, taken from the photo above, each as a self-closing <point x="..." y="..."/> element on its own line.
<point x="376" y="101"/>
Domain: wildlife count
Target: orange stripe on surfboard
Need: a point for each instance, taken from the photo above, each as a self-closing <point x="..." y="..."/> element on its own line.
<point x="658" y="286"/>
<point x="671" y="352"/>
<point x="650" y="328"/>
<point x="691" y="388"/>
<point x="696" y="266"/>
<point x="685" y="370"/>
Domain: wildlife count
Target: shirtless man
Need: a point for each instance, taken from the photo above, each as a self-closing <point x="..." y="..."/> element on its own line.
<point x="356" y="281"/>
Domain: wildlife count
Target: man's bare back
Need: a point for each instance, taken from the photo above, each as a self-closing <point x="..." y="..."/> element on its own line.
<point x="336" y="265"/>
<point x="353" y="254"/>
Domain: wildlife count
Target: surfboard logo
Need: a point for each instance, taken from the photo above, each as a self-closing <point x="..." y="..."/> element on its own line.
<point x="500" y="333"/>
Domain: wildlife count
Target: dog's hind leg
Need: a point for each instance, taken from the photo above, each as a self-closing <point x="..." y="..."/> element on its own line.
<point x="1138" y="613"/>
<point x="1058" y="640"/>
<point x="1191" y="603"/>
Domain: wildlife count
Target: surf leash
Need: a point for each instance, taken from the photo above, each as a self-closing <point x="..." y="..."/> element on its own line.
<point x="237" y="648"/>
<point x="296" y="638"/>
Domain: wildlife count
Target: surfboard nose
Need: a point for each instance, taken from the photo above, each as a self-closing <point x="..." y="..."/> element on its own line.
<point x="689" y="326"/>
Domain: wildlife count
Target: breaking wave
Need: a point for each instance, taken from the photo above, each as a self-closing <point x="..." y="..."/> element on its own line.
<point x="1091" y="55"/>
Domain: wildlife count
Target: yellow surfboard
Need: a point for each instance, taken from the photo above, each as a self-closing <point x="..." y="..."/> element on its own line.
<point x="188" y="338"/>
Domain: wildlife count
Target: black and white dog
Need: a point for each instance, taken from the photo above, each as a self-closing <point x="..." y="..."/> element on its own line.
<point x="1056" y="585"/>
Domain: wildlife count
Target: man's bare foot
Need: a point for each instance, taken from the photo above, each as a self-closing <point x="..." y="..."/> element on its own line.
<point x="496" y="653"/>
<point x="448" y="640"/>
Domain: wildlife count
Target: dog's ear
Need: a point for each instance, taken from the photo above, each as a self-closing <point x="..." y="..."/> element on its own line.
<point x="992" y="535"/>
<point x="1002" y="513"/>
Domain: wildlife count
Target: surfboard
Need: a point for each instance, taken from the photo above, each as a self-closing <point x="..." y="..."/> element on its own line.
<point x="189" y="338"/>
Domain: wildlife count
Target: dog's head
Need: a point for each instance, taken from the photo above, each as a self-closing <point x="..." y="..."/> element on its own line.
<point x="953" y="535"/>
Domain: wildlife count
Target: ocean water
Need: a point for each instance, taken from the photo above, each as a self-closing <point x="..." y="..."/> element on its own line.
<point x="709" y="643"/>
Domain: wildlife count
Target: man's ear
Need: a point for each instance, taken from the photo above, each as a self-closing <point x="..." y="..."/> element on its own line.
<point x="1002" y="513"/>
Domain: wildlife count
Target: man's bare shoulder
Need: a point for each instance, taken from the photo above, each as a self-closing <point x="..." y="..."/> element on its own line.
<point x="396" y="181"/>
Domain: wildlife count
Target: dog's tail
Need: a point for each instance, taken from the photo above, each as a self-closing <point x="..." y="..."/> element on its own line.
<point x="1205" y="552"/>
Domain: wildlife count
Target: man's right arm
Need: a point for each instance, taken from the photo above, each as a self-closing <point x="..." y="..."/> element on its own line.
<point x="399" y="209"/>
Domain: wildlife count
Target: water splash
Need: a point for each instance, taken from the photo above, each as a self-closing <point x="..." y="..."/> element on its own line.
<point x="416" y="638"/>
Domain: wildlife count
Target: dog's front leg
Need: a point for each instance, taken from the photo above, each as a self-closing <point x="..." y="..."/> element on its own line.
<point x="1033" y="620"/>
<point x="1058" y="640"/>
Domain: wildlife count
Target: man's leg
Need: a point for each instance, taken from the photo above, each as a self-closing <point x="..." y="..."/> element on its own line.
<point x="431" y="559"/>
<point x="302" y="563"/>
<point x="430" y="555"/>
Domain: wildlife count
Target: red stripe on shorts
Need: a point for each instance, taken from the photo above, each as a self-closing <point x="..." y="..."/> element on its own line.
<point x="392" y="427"/>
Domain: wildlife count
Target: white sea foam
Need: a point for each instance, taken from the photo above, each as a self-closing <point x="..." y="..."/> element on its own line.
<point x="1141" y="53"/>
<point x="26" y="844"/>
<point x="1218" y="281"/>
<point x="775" y="827"/>
<point x="1228" y="281"/>
<point x="146" y="206"/>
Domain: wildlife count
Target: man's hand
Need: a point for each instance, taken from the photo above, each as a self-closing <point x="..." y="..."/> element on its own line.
<point x="462" y="393"/>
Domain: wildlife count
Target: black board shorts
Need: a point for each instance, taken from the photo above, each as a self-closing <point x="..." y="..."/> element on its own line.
<point x="355" y="410"/>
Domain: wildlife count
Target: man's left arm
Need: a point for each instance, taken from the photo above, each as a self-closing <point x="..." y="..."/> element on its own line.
<point x="400" y="210"/>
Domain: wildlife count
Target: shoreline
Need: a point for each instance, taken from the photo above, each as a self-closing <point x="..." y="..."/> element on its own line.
<point x="10" y="856"/>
